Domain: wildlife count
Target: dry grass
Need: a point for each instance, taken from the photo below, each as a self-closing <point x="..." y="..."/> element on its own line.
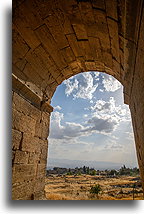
<point x="77" y="188"/>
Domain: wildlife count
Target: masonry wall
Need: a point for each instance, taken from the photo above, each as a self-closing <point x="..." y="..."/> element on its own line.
<point x="137" y="100"/>
<point x="29" y="145"/>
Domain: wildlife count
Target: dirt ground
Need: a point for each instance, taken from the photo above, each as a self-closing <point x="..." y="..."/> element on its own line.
<point x="73" y="187"/>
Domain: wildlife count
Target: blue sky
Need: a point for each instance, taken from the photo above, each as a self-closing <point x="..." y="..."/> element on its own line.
<point x="90" y="121"/>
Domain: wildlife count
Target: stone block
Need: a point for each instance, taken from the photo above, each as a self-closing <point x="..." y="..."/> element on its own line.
<point x="113" y="32"/>
<point x="67" y="72"/>
<point x="17" y="72"/>
<point x="111" y="9"/>
<point x="85" y="47"/>
<point x="32" y="74"/>
<point x="31" y="143"/>
<point x="86" y="12"/>
<point x="21" y="157"/>
<point x="96" y="48"/>
<point x="68" y="54"/>
<point x="41" y="170"/>
<point x="23" y="122"/>
<point x="80" y="31"/>
<point x="39" y="185"/>
<point x="23" y="191"/>
<point x="23" y="172"/>
<point x="19" y="46"/>
<point x="16" y="139"/>
<point x="98" y="4"/>
<point x="34" y="158"/>
<point x="41" y="130"/>
<point x="74" y="45"/>
<point x="23" y="26"/>
<point x="21" y="105"/>
<point x="56" y="30"/>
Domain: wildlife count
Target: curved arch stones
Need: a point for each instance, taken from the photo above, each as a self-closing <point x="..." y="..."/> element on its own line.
<point x="54" y="40"/>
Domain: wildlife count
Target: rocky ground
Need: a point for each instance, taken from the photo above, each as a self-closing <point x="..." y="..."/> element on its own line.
<point x="77" y="187"/>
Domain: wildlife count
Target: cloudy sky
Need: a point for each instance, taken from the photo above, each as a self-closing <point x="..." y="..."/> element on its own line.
<point x="91" y="122"/>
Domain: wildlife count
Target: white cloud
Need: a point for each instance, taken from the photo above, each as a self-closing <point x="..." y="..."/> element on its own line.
<point x="109" y="108"/>
<point x="113" y="145"/>
<point x="57" y="108"/>
<point x="66" y="131"/>
<point x="83" y="86"/>
<point x="110" y="83"/>
<point x="105" y="118"/>
<point x="71" y="85"/>
<point x="102" y="124"/>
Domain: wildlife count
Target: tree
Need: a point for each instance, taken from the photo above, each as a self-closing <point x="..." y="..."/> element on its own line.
<point x="93" y="172"/>
<point x="96" y="189"/>
<point x="87" y="170"/>
<point x="84" y="169"/>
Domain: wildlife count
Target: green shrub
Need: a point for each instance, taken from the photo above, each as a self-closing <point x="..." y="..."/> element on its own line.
<point x="95" y="189"/>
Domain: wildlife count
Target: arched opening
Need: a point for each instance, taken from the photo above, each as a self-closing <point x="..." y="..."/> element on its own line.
<point x="90" y="126"/>
<point x="54" y="40"/>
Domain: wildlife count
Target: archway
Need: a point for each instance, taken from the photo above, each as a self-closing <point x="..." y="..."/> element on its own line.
<point x="90" y="123"/>
<point x="53" y="40"/>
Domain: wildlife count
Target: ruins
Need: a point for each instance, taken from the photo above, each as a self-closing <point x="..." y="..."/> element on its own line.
<point x="54" y="40"/>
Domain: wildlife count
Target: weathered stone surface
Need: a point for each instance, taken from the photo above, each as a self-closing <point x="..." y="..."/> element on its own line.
<point x="23" y="191"/>
<point x="23" y="172"/>
<point x="16" y="139"/>
<point x="23" y="122"/>
<point x="41" y="170"/>
<point x="21" y="157"/>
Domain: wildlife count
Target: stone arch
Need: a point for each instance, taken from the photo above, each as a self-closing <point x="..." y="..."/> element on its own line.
<point x="53" y="40"/>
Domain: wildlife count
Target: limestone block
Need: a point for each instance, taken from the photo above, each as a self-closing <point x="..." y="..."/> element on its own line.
<point x="39" y="196"/>
<point x="67" y="72"/>
<point x="41" y="170"/>
<point x="113" y="31"/>
<point x="21" y="157"/>
<point x="23" y="26"/>
<point x="80" y="31"/>
<point x="41" y="130"/>
<point x="91" y="66"/>
<point x="21" y="105"/>
<point x="23" y="172"/>
<point x="56" y="30"/>
<point x="107" y="59"/>
<point x="111" y="9"/>
<point x="43" y="155"/>
<point x="68" y="54"/>
<point x="85" y="47"/>
<point x="18" y="72"/>
<point x="30" y="143"/>
<point x="39" y="185"/>
<point x="95" y="48"/>
<point x="50" y="45"/>
<point x="100" y="29"/>
<point x="98" y="4"/>
<point x="43" y="9"/>
<point x="19" y="46"/>
<point x="16" y="139"/>
<point x="32" y="74"/>
<point x="21" y="63"/>
<point x="86" y="12"/>
<point x="23" y="122"/>
<point x="33" y="18"/>
<point x="74" y="45"/>
<point x="46" y="38"/>
<point x="34" y="158"/>
<point x="23" y="191"/>
<point x="40" y="61"/>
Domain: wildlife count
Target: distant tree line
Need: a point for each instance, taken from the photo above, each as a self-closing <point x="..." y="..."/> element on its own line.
<point x="91" y="171"/>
